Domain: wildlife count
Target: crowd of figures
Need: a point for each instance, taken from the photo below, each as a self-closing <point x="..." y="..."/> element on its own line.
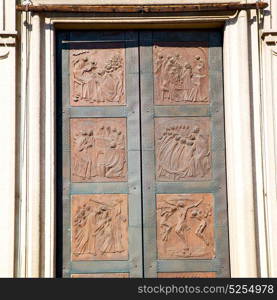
<point x="183" y="152"/>
<point x="179" y="79"/>
<point x="98" y="228"/>
<point x="95" y="84"/>
<point x="176" y="218"/>
<point x="100" y="153"/>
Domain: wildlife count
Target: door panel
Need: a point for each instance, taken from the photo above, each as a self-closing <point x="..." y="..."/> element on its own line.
<point x="104" y="88"/>
<point x="183" y="155"/>
<point x="101" y="180"/>
<point x="141" y="179"/>
<point x="99" y="134"/>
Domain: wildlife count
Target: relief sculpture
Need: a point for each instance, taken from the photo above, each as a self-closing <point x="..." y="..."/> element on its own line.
<point x="183" y="149"/>
<point x="181" y="74"/>
<point x="98" y="149"/>
<point x="100" y="227"/>
<point x="185" y="226"/>
<point x="97" y="76"/>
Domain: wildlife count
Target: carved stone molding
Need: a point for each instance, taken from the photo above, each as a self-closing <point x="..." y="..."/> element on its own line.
<point x="7" y="39"/>
<point x="270" y="38"/>
<point x="142" y="6"/>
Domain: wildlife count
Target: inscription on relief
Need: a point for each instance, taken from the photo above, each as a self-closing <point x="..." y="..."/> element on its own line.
<point x="181" y="73"/>
<point x="98" y="150"/>
<point x="185" y="226"/>
<point x="182" y="149"/>
<point x="98" y="75"/>
<point x="100" y="227"/>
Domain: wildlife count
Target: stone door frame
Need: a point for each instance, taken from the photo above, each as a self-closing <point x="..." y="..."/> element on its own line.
<point x="36" y="228"/>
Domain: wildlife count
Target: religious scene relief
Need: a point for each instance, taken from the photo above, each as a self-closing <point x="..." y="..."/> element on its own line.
<point x="98" y="150"/>
<point x="181" y="73"/>
<point x="97" y="75"/>
<point x="185" y="226"/>
<point x="99" y="227"/>
<point x="183" y="150"/>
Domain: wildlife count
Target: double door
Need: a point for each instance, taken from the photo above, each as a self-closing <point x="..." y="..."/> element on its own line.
<point x="141" y="179"/>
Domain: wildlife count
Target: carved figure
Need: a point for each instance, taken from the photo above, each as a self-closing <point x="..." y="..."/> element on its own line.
<point x="202" y="216"/>
<point x="98" y="229"/>
<point x="84" y="224"/>
<point x="166" y="213"/>
<point x="108" y="228"/>
<point x="181" y="209"/>
<point x="84" y="164"/>
<point x="181" y="226"/>
<point x="197" y="75"/>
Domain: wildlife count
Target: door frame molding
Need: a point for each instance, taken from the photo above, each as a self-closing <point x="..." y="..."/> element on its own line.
<point x="36" y="244"/>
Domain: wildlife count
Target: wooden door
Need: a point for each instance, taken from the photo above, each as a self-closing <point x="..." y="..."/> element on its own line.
<point x="141" y="186"/>
<point x="99" y="167"/>
<point x="183" y="155"/>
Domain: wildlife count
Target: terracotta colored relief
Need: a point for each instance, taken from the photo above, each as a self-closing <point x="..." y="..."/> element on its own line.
<point x="98" y="75"/>
<point x="188" y="275"/>
<point x="185" y="226"/>
<point x="100" y="227"/>
<point x="181" y="73"/>
<point x="101" y="275"/>
<point x="183" y="149"/>
<point x="98" y="150"/>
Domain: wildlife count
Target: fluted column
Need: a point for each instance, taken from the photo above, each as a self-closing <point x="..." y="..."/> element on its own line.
<point x="239" y="149"/>
<point x="29" y="236"/>
<point x="33" y="144"/>
<point x="7" y="136"/>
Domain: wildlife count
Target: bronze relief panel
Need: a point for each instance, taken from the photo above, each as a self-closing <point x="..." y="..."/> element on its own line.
<point x="100" y="227"/>
<point x="97" y="76"/>
<point x="181" y="74"/>
<point x="188" y="275"/>
<point x="98" y="150"/>
<point x="183" y="148"/>
<point x="185" y="226"/>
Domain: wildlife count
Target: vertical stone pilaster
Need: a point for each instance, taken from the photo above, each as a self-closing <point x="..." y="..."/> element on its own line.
<point x="269" y="111"/>
<point x="239" y="149"/>
<point x="7" y="136"/>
